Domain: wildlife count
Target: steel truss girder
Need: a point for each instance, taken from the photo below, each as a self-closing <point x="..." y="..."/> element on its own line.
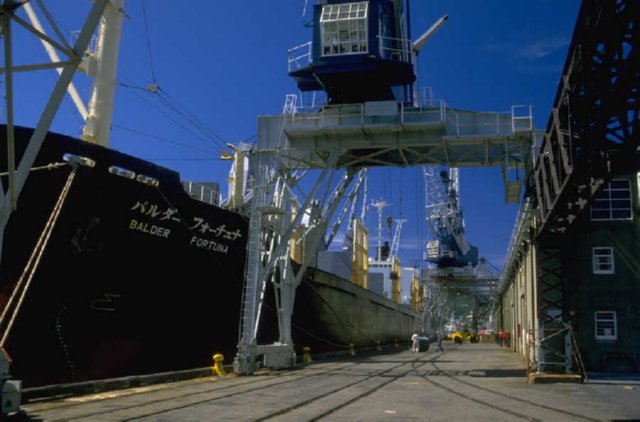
<point x="394" y="141"/>
<point x="594" y="125"/>
<point x="554" y="341"/>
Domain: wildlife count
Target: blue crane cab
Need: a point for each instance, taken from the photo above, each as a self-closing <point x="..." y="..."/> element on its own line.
<point x="361" y="51"/>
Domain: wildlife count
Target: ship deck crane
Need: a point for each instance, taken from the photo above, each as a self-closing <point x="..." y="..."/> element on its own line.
<point x="386" y="261"/>
<point x="395" y="243"/>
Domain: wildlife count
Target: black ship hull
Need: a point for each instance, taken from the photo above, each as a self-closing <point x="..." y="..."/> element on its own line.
<point x="135" y="278"/>
<point x="138" y="277"/>
<point x="332" y="313"/>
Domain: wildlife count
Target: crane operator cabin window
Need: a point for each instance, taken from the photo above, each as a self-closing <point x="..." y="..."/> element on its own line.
<point x="343" y="29"/>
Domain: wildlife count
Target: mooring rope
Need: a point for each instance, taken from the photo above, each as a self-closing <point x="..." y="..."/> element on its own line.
<point x="34" y="260"/>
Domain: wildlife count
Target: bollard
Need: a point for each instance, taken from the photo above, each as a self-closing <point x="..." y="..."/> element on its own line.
<point x="306" y="354"/>
<point x="217" y="365"/>
<point x="352" y="351"/>
<point x="378" y="347"/>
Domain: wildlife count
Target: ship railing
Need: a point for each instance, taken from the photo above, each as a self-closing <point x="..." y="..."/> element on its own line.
<point x="204" y="192"/>
<point x="299" y="56"/>
<point x="396" y="49"/>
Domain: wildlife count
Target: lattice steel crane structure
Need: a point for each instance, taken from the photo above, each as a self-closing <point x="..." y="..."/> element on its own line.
<point x="449" y="246"/>
<point x="458" y="270"/>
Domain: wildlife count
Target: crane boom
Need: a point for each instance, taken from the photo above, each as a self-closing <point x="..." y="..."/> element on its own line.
<point x="395" y="243"/>
<point x="449" y="247"/>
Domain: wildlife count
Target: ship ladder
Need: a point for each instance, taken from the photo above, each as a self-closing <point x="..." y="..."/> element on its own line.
<point x="14" y="303"/>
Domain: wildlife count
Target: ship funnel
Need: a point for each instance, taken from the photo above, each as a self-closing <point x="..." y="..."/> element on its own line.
<point x="420" y="42"/>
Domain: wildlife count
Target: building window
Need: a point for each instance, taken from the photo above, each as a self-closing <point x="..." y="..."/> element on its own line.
<point x="343" y="28"/>
<point x="613" y="203"/>
<point x="606" y="325"/>
<point x="603" y="262"/>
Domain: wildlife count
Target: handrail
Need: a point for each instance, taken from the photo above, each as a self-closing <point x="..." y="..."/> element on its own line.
<point x="293" y="57"/>
<point x="457" y="122"/>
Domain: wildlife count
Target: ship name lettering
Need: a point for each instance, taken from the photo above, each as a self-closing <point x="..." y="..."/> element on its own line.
<point x="155" y="211"/>
<point x="106" y="303"/>
<point x="209" y="244"/>
<point x="149" y="228"/>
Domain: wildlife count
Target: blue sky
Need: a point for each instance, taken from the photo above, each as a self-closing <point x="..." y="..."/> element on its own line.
<point x="223" y="63"/>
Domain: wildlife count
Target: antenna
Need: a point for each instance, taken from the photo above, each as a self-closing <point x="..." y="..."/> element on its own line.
<point x="380" y="204"/>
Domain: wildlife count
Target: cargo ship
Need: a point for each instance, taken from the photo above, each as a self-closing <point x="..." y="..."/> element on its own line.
<point x="112" y="266"/>
<point x="135" y="275"/>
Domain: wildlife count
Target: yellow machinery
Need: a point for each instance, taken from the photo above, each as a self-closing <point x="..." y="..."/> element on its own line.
<point x="459" y="337"/>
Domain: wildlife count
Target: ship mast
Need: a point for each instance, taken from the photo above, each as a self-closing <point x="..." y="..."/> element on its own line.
<point x="379" y="204"/>
<point x="102" y="68"/>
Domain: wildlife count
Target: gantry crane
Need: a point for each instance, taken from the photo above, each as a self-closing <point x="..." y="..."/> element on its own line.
<point x="449" y="246"/>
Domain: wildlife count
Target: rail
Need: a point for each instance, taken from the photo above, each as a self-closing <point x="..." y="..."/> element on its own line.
<point x="396" y="49"/>
<point x="204" y="192"/>
<point x="389" y="48"/>
<point x="454" y="121"/>
<point x="299" y="56"/>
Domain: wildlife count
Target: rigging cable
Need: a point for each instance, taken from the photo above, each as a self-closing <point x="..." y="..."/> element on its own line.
<point x="170" y="103"/>
<point x="198" y="130"/>
<point x="148" y="39"/>
<point x="198" y="134"/>
<point x="182" y="111"/>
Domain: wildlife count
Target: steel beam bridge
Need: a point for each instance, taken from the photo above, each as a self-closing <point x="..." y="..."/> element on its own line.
<point x="333" y="143"/>
<point x="593" y="133"/>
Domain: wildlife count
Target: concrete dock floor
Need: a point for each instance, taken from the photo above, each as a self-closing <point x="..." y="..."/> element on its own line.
<point x="479" y="382"/>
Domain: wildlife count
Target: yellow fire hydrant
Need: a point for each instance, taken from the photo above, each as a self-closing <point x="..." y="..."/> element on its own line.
<point x="217" y="364"/>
